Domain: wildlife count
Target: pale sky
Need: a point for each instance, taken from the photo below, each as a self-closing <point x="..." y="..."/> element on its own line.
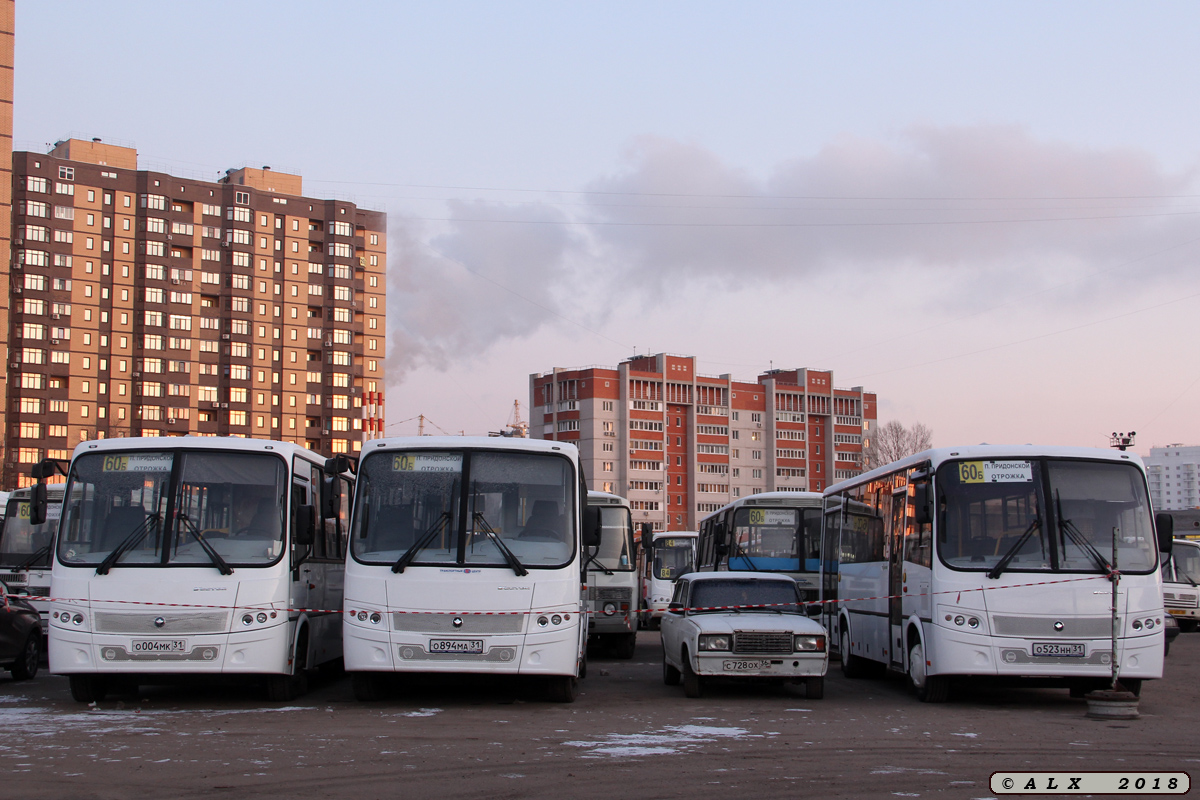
<point x="987" y="214"/>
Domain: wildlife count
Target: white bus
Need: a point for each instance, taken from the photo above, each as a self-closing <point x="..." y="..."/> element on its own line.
<point x="25" y="548"/>
<point x="766" y="532"/>
<point x="468" y="555"/>
<point x="191" y="556"/>
<point x="667" y="556"/>
<point x="1181" y="584"/>
<point x="612" y="577"/>
<point x="995" y="561"/>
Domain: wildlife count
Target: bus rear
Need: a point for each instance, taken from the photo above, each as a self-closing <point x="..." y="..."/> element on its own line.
<point x="612" y="577"/>
<point x="669" y="555"/>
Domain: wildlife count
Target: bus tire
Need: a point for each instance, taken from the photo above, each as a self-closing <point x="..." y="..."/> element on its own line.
<point x="852" y="665"/>
<point x="368" y="686"/>
<point x="88" y="688"/>
<point x="285" y="688"/>
<point x="26" y="665"/>
<point x="562" y="688"/>
<point x="671" y="675"/>
<point x="624" y="645"/>
<point x="693" y="685"/>
<point x="928" y="688"/>
<point x="1131" y="685"/>
<point x="814" y="688"/>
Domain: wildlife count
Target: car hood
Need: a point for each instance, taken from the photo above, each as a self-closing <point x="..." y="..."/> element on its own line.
<point x="730" y="621"/>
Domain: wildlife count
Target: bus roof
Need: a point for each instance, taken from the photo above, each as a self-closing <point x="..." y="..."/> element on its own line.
<point x="470" y="442"/>
<point x="192" y="443"/>
<point x="606" y="499"/>
<point x="674" y="535"/>
<point x="938" y="455"/>
<point x="771" y="499"/>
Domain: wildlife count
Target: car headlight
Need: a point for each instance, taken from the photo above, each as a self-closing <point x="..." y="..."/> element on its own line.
<point x="717" y="641"/>
<point x="809" y="644"/>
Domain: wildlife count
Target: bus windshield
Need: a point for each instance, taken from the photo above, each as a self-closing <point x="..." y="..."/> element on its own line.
<point x="1044" y="515"/>
<point x="776" y="539"/>
<point x="672" y="557"/>
<point x="516" y="512"/>
<point x="616" y="539"/>
<point x="22" y="544"/>
<point x="228" y="509"/>
<point x="1185" y="564"/>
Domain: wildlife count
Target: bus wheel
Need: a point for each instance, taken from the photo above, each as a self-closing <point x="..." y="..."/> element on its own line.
<point x="88" y="688"/>
<point x="26" y="665"/>
<point x="814" y="688"/>
<point x="693" y="686"/>
<point x="852" y="665"/>
<point x="562" y="688"/>
<point x="624" y="645"/>
<point x="929" y="688"/>
<point x="1187" y="625"/>
<point x="368" y="686"/>
<point x="1131" y="685"/>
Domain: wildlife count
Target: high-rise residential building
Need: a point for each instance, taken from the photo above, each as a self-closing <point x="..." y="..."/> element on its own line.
<point x="145" y="304"/>
<point x="680" y="445"/>
<point x="7" y="61"/>
<point x="1174" y="479"/>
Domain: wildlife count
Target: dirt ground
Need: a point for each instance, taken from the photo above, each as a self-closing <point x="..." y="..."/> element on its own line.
<point x="627" y="735"/>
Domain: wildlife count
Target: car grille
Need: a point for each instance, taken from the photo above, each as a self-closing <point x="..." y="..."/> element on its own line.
<point x="617" y="594"/>
<point x="762" y="642"/>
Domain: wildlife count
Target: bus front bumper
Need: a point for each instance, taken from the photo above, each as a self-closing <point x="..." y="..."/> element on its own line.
<point x="964" y="653"/>
<point x="261" y="651"/>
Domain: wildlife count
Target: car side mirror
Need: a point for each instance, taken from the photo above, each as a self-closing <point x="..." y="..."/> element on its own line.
<point x="812" y="610"/>
<point x="675" y="608"/>
<point x="591" y="527"/>
<point x="922" y="500"/>
<point x="1164" y="525"/>
<point x="305" y="517"/>
<point x="37" y="504"/>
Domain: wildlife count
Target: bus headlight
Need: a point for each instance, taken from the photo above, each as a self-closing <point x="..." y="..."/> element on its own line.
<point x="720" y="641"/>
<point x="809" y="644"/>
<point x="247" y="619"/>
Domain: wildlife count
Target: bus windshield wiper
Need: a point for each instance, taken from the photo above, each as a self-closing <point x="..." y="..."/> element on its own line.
<point x="206" y="546"/>
<point x="740" y="552"/>
<point x="591" y="559"/>
<point x="420" y="544"/>
<point x="44" y="550"/>
<point x="1081" y="541"/>
<point x="128" y="543"/>
<point x="512" y="560"/>
<point x="1003" y="563"/>
<point x="1186" y="576"/>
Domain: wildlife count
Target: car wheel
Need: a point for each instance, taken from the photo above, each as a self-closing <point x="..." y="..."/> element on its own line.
<point x="26" y="665"/>
<point x="671" y="675"/>
<point x="693" y="686"/>
<point x="562" y="689"/>
<point x="928" y="688"/>
<point x="852" y="665"/>
<point x="88" y="688"/>
<point x="814" y="688"/>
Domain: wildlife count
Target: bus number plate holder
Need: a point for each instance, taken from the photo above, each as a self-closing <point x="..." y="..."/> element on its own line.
<point x="465" y="646"/>
<point x="1059" y="649"/>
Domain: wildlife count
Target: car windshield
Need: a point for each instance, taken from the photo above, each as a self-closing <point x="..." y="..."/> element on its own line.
<point x="787" y="539"/>
<point x="616" y="540"/>
<point x="1044" y="515"/>
<point x="23" y="544"/>
<point x="770" y="595"/>
<point x="517" y="512"/>
<point x="228" y="507"/>
<point x="672" y="556"/>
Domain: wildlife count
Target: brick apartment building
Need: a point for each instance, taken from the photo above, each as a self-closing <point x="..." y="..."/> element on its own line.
<point x="7" y="21"/>
<point x="680" y="445"/>
<point x="144" y="304"/>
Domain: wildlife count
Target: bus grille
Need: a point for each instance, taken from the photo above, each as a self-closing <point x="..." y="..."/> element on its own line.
<point x="618" y="594"/>
<point x="762" y="642"/>
<point x="1072" y="627"/>
<point x="120" y="622"/>
<point x="470" y="623"/>
<point x="1173" y="600"/>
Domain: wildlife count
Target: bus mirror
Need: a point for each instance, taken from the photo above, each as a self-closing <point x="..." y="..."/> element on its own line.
<point x="591" y="527"/>
<point x="37" y="504"/>
<point x="1164" y="525"/>
<point x="331" y="500"/>
<point x="305" y="518"/>
<point x="647" y="534"/>
<point x="922" y="502"/>
<point x="722" y="549"/>
<point x="341" y="463"/>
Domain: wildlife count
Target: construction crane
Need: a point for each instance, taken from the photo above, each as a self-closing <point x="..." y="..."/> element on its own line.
<point x="516" y="428"/>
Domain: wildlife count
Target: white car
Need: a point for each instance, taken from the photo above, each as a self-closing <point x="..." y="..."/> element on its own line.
<point x="741" y="625"/>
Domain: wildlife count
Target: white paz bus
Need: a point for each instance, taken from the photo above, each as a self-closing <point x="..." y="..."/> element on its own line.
<point x="196" y="556"/>
<point x="996" y="562"/>
<point x="468" y="555"/>
<point x="612" y="577"/>
<point x="25" y="548"/>
<point x="669" y="555"/>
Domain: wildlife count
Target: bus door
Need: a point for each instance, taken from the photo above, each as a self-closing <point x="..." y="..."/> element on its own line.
<point x="307" y="586"/>
<point x="895" y="538"/>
